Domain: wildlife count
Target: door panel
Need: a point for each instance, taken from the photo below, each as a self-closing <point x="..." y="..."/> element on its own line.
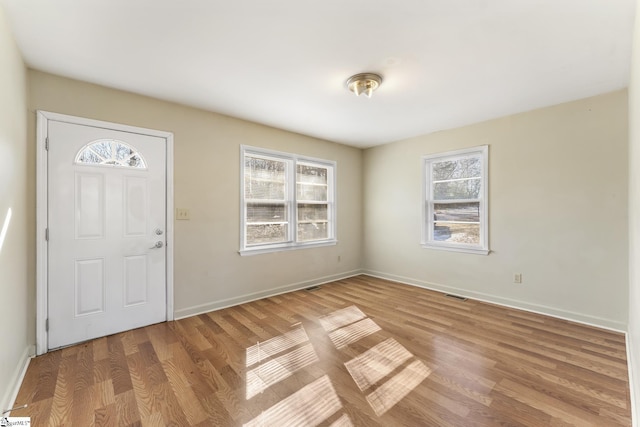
<point x="89" y="286"/>
<point x="135" y="206"/>
<point x="135" y="280"/>
<point x="105" y="273"/>
<point x="89" y="201"/>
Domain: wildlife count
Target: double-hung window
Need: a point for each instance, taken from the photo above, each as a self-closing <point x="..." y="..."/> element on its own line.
<point x="456" y="200"/>
<point x="288" y="201"/>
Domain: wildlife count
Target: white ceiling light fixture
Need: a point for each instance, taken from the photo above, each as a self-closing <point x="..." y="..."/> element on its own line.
<point x="364" y="83"/>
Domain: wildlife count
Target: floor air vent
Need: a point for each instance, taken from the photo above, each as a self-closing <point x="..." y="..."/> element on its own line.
<point x="458" y="297"/>
<point x="312" y="288"/>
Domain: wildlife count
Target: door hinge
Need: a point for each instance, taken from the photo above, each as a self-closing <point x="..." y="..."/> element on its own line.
<point x="46" y="325"/>
<point x="46" y="143"/>
<point x="46" y="234"/>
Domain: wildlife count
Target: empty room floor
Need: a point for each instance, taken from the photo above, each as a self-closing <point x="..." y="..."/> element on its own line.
<point x="361" y="351"/>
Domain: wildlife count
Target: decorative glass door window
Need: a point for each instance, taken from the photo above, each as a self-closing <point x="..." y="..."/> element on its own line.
<point x="110" y="152"/>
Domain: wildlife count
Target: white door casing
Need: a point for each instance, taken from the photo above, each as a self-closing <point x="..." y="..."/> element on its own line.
<point x="100" y="271"/>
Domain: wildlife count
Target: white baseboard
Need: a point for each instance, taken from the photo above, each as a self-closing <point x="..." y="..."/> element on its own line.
<point x="585" y="319"/>
<point x="15" y="381"/>
<point x="230" y="302"/>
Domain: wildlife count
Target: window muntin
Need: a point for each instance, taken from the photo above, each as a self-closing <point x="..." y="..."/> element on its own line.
<point x="455" y="205"/>
<point x="110" y="152"/>
<point x="288" y="201"/>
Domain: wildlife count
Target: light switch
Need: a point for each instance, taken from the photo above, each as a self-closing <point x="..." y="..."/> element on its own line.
<point x="182" y="214"/>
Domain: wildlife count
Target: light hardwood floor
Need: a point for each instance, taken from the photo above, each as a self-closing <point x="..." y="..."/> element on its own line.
<point x="360" y="351"/>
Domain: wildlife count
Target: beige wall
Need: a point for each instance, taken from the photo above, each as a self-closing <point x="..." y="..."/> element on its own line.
<point x="557" y="212"/>
<point x="634" y="220"/>
<point x="209" y="272"/>
<point x="15" y="309"/>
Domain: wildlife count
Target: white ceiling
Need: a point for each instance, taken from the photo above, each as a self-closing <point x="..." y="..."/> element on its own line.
<point x="284" y="63"/>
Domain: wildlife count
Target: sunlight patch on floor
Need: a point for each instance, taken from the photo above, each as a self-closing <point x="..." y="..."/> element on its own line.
<point x="309" y="406"/>
<point x="278" y="369"/>
<point x="377" y="362"/>
<point x="273" y="346"/>
<point x="393" y="391"/>
<point x="340" y="318"/>
<point x="349" y="334"/>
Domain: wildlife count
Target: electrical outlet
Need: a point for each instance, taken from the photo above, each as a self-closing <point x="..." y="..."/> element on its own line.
<point x="182" y="214"/>
<point x="517" y="278"/>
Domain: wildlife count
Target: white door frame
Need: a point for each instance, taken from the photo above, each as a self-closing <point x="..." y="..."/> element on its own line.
<point x="42" y="285"/>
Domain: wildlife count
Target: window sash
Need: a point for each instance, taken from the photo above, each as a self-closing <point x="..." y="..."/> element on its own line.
<point x="312" y="229"/>
<point x="312" y="193"/>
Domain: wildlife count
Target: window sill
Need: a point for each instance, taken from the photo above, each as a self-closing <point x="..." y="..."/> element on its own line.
<point x="468" y="250"/>
<point x="286" y="247"/>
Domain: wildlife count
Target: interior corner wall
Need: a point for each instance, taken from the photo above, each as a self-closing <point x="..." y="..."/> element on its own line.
<point x="15" y="307"/>
<point x="634" y="222"/>
<point x="208" y="271"/>
<point x="557" y="212"/>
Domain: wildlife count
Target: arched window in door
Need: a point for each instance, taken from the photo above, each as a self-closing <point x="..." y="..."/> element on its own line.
<point x="110" y="152"/>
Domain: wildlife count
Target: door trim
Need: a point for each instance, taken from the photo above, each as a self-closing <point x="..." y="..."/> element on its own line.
<point x="42" y="203"/>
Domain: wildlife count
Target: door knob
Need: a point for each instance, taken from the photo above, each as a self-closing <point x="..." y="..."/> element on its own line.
<point x="158" y="232"/>
<point x="158" y="245"/>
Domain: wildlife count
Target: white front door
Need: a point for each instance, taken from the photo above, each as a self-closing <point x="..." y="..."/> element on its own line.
<point x="107" y="228"/>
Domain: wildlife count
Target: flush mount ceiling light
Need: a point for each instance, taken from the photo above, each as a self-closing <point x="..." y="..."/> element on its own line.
<point x="364" y="83"/>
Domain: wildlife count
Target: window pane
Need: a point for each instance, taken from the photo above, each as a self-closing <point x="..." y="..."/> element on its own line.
<point x="457" y="233"/>
<point x="312" y="231"/>
<point x="123" y="152"/>
<point x="312" y="192"/>
<point x="308" y="212"/>
<point x="468" y="212"/>
<point x="266" y="212"/>
<point x="270" y="169"/>
<point x="88" y="156"/>
<point x="311" y="174"/>
<point x="103" y="148"/>
<point x="264" y="178"/>
<point x="469" y="167"/>
<point x="135" y="161"/>
<point x="467" y="189"/>
<point x="311" y="182"/>
<point x="257" y="189"/>
<point x="266" y="233"/>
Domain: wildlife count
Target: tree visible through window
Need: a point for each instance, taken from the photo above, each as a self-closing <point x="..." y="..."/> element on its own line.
<point x="288" y="201"/>
<point x="456" y="200"/>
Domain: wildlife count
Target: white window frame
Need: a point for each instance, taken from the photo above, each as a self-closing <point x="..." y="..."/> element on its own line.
<point x="291" y="203"/>
<point x="428" y="201"/>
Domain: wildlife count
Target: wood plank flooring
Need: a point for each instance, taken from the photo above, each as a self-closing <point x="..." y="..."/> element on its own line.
<point x="360" y="351"/>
